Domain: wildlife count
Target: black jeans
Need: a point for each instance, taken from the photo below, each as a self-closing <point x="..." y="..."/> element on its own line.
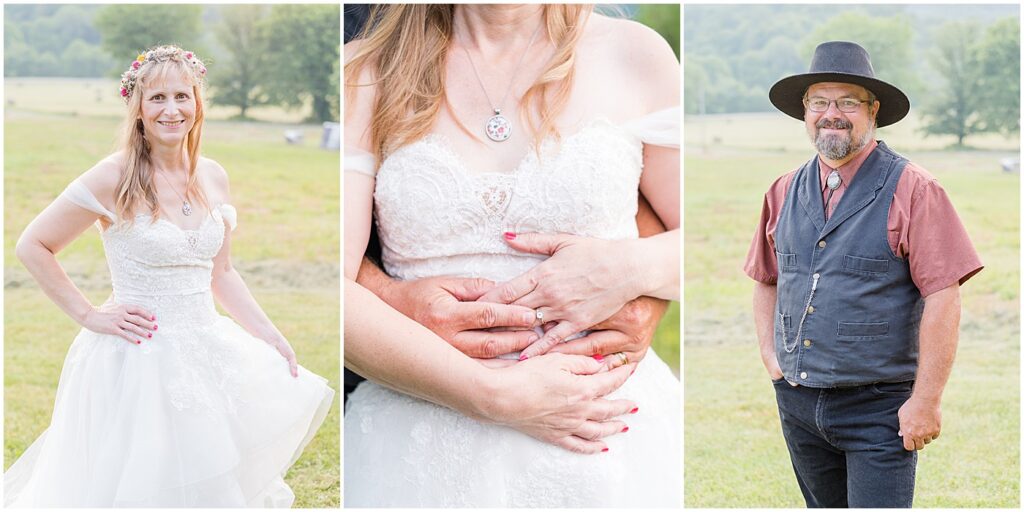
<point x="844" y="445"/>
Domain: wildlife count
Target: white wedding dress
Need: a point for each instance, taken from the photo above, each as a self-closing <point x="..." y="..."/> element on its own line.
<point x="435" y="217"/>
<point x="201" y="415"/>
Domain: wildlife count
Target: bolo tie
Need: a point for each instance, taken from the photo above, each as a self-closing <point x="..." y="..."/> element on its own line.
<point x="833" y="182"/>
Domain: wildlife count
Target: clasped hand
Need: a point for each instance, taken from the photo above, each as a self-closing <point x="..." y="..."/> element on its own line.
<point x="578" y="286"/>
<point x="453" y="308"/>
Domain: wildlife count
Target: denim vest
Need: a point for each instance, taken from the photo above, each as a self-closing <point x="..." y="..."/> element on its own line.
<point x="861" y="324"/>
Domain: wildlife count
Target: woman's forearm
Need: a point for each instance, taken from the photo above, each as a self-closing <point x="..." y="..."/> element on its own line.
<point x="657" y="266"/>
<point x="234" y="296"/>
<point x="52" y="279"/>
<point x="387" y="347"/>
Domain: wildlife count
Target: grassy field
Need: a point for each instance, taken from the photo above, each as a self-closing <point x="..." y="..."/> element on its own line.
<point x="735" y="453"/>
<point x="286" y="247"/>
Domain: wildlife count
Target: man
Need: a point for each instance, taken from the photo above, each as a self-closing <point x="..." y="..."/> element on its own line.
<point x="858" y="260"/>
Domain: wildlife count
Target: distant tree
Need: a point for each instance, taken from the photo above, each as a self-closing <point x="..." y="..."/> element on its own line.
<point x="887" y="40"/>
<point x="302" y="53"/>
<point x="999" y="76"/>
<point x="953" y="108"/>
<point x="238" y="77"/>
<point x="664" y="19"/>
<point x="81" y="59"/>
<point x="127" y="29"/>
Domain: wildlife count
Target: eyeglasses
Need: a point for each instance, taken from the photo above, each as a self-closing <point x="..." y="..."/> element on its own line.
<point x="819" y="104"/>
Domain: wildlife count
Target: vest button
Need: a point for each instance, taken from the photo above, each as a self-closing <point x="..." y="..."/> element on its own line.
<point x="803" y="375"/>
<point x="816" y="275"/>
<point x="810" y="309"/>
<point x="807" y="343"/>
<point x="821" y="244"/>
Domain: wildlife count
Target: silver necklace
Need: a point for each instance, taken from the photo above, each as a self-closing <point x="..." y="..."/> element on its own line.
<point x="186" y="207"/>
<point x="498" y="127"/>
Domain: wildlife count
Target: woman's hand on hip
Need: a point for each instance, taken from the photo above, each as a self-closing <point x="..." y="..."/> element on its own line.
<point x="128" y="321"/>
<point x="558" y="399"/>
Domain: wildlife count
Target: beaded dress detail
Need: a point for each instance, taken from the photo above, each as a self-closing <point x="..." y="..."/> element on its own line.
<point x="436" y="217"/>
<point x="201" y="415"/>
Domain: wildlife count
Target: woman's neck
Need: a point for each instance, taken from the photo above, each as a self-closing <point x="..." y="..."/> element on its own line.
<point x="494" y="30"/>
<point x="169" y="160"/>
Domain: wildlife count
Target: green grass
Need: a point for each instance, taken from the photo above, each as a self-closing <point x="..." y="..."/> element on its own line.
<point x="735" y="454"/>
<point x="666" y="338"/>
<point x="286" y="247"/>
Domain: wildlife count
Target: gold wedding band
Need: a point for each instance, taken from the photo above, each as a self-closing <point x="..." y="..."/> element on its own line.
<point x="625" y="358"/>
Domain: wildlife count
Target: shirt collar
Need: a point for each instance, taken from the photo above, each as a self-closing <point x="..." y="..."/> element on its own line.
<point x="847" y="170"/>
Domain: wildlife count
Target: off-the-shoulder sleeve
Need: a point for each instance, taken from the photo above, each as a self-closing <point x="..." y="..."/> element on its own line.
<point x="360" y="162"/>
<point x="659" y="128"/>
<point x="230" y="215"/>
<point x="81" y="196"/>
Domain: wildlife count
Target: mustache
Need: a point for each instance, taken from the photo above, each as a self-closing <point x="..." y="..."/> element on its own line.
<point x="834" y="124"/>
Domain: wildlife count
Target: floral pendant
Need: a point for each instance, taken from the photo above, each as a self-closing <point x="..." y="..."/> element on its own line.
<point x="186" y="208"/>
<point x="498" y="127"/>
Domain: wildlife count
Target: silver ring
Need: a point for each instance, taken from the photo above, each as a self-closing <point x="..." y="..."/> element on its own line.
<point x="540" y="316"/>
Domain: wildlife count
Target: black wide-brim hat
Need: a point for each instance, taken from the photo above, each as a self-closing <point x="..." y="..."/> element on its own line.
<point x="845" y="62"/>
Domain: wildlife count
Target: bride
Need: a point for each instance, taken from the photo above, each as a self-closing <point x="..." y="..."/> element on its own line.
<point x="478" y="135"/>
<point x="162" y="401"/>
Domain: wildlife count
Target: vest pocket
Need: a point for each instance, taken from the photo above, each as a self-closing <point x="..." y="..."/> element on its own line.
<point x="787" y="262"/>
<point x="863" y="331"/>
<point x="867" y="266"/>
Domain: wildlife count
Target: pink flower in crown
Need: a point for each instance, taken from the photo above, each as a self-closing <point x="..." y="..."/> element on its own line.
<point x="136" y="64"/>
<point x="188" y="55"/>
<point x="202" y="70"/>
<point x="124" y="92"/>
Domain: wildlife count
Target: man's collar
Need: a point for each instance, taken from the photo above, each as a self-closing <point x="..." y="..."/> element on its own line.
<point x="847" y="170"/>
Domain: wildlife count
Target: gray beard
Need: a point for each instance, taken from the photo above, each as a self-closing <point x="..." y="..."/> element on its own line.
<point x="838" y="147"/>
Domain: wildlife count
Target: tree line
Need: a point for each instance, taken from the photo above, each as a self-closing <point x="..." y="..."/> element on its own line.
<point x="960" y="65"/>
<point x="285" y="55"/>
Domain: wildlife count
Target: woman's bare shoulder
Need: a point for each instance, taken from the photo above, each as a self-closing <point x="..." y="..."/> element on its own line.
<point x="102" y="178"/>
<point x="214" y="177"/>
<point x="633" y="50"/>
<point x="360" y="94"/>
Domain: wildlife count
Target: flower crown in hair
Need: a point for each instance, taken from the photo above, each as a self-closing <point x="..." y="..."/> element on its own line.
<point x="159" y="54"/>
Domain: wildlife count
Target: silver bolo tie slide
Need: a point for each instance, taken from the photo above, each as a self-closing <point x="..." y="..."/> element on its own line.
<point x="833" y="181"/>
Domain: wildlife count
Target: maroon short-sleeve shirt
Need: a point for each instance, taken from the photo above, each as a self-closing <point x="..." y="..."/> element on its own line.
<point x="923" y="228"/>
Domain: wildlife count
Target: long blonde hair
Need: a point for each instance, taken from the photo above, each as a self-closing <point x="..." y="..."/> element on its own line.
<point x="407" y="47"/>
<point x="135" y="187"/>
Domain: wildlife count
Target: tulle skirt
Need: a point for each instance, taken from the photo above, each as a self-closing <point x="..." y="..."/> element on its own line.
<point x="202" y="415"/>
<point x="404" y="452"/>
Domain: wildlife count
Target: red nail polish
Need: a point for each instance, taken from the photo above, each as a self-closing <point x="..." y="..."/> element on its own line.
<point x="598" y="358"/>
<point x="625" y="429"/>
<point x="149" y="334"/>
<point x="631" y="372"/>
<point x="510" y="235"/>
<point x="138" y="342"/>
<point x="524" y="357"/>
<point x="155" y="326"/>
<point x="604" y="450"/>
<point x="635" y="409"/>
<point x="153" y="319"/>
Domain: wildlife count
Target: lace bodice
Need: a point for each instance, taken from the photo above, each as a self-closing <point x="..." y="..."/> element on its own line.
<point x="436" y="217"/>
<point x="153" y="261"/>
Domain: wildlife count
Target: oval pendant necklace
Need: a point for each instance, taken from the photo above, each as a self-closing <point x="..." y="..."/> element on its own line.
<point x="186" y="207"/>
<point x="498" y="127"/>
